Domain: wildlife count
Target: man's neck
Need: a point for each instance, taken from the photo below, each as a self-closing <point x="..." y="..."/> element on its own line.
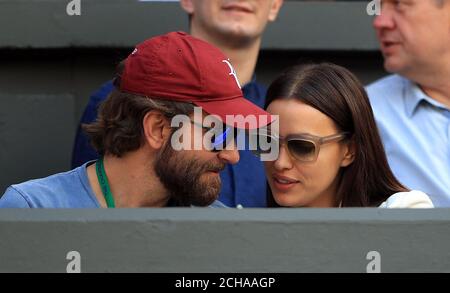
<point x="243" y="55"/>
<point x="439" y="92"/>
<point x="435" y="84"/>
<point x="132" y="183"/>
<point x="244" y="61"/>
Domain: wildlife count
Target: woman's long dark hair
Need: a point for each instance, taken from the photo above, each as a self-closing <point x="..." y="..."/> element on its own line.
<point x="336" y="92"/>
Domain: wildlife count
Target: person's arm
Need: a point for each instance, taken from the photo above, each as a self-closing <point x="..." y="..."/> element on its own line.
<point x="13" y="199"/>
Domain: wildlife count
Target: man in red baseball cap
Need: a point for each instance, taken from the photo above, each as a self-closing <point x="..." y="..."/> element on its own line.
<point x="236" y="27"/>
<point x="162" y="78"/>
<point x="182" y="68"/>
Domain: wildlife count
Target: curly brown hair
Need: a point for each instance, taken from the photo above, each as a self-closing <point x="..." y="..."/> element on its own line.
<point x="118" y="128"/>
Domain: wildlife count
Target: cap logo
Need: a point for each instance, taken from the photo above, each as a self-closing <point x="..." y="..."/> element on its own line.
<point x="134" y="51"/>
<point x="232" y="71"/>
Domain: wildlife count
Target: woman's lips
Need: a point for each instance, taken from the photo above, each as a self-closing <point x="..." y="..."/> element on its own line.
<point x="283" y="183"/>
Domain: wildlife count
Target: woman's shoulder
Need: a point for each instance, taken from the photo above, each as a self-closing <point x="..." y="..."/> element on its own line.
<point x="410" y="199"/>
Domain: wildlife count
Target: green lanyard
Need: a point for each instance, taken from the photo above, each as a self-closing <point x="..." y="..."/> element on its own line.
<point x="103" y="181"/>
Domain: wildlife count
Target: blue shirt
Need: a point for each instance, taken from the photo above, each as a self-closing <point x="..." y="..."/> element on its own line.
<point x="64" y="190"/>
<point x="242" y="184"/>
<point x="415" y="130"/>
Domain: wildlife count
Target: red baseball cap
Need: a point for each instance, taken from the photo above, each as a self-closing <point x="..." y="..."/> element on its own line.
<point x="179" y="67"/>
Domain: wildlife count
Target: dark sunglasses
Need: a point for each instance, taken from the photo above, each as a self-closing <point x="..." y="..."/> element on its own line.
<point x="302" y="147"/>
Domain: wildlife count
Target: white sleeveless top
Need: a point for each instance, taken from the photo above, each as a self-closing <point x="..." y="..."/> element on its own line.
<point x="411" y="199"/>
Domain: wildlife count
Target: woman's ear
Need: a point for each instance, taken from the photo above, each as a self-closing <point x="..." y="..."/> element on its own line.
<point x="156" y="129"/>
<point x="349" y="155"/>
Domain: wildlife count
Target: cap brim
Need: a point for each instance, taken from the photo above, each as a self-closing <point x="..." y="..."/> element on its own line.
<point x="238" y="113"/>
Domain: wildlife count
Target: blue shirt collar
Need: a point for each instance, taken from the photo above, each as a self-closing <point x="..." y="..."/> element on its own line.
<point x="414" y="96"/>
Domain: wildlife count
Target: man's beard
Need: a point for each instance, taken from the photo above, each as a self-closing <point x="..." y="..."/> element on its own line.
<point x="181" y="177"/>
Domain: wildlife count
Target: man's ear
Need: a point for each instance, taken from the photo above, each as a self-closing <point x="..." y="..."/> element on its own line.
<point x="156" y="129"/>
<point x="349" y="155"/>
<point x="187" y="6"/>
<point x="274" y="9"/>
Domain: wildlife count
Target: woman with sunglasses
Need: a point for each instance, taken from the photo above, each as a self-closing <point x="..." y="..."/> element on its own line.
<point x="330" y="152"/>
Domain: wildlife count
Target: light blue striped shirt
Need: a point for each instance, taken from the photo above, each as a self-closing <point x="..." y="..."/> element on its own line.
<point x="416" y="135"/>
